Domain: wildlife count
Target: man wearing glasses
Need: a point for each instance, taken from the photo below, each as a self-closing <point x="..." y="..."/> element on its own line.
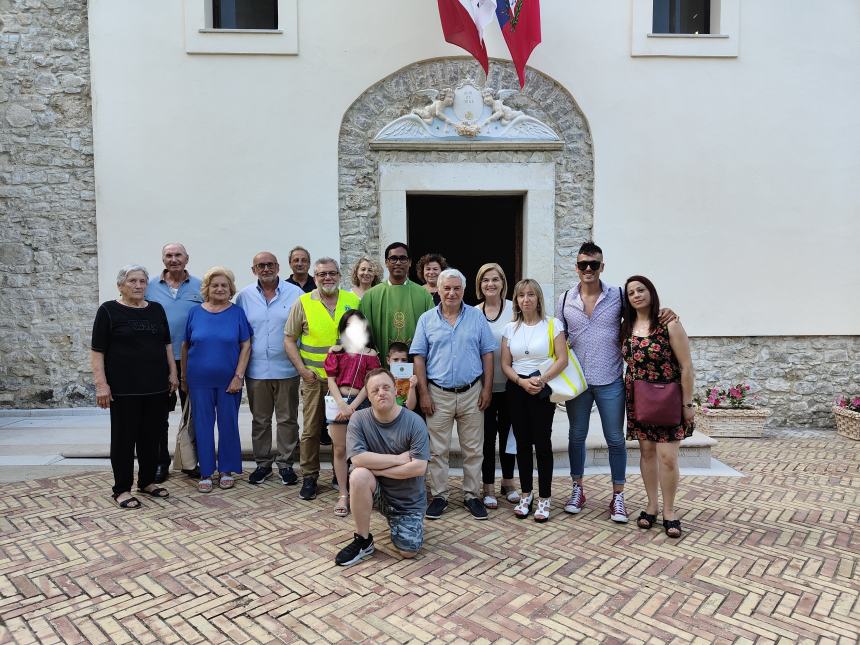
<point x="392" y="308"/>
<point x="271" y="379"/>
<point x="310" y="331"/>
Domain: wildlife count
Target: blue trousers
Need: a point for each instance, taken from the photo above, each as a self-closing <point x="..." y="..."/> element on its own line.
<point x="610" y="405"/>
<point x="207" y="404"/>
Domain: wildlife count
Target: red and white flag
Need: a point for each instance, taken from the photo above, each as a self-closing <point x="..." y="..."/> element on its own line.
<point x="520" y="23"/>
<point x="463" y="23"/>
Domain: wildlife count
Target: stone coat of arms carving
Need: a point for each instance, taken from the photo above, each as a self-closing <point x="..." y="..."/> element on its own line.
<point x="466" y="112"/>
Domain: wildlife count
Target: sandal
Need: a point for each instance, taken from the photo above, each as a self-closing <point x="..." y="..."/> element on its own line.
<point x="674" y="526"/>
<point x="157" y="491"/>
<point x="524" y="507"/>
<point x="490" y="501"/>
<point x="341" y="509"/>
<point x="510" y="494"/>
<point x="205" y="485"/>
<point x="646" y="520"/>
<point x="131" y="502"/>
<point x="226" y="482"/>
<point x="542" y="512"/>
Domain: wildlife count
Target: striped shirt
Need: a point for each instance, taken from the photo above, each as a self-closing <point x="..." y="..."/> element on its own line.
<point x="594" y="339"/>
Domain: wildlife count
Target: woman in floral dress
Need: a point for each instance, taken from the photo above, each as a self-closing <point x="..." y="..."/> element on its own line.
<point x="656" y="352"/>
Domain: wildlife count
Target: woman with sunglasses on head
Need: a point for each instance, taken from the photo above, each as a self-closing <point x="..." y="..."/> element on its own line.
<point x="533" y="353"/>
<point x="656" y="352"/>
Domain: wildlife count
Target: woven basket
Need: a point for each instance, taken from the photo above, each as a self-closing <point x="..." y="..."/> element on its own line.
<point x="847" y="423"/>
<point x="731" y="422"/>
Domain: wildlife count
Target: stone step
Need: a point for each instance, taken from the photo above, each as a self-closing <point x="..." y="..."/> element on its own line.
<point x="695" y="451"/>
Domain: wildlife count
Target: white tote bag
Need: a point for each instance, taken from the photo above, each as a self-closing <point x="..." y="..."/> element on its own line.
<point x="570" y="383"/>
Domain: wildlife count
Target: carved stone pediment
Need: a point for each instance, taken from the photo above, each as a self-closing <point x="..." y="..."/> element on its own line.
<point x="466" y="113"/>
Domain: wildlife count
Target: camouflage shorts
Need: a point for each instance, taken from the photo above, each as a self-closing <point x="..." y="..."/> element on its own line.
<point x="407" y="529"/>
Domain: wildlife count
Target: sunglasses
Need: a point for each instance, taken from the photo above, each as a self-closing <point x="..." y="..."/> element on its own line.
<point x="582" y="265"/>
<point x="397" y="259"/>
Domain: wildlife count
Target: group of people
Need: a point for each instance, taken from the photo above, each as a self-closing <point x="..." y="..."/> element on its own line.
<point x="305" y="339"/>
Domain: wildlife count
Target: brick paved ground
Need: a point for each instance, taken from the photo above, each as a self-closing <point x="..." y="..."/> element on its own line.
<point x="772" y="556"/>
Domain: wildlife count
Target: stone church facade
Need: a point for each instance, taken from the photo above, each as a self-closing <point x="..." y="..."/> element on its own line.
<point x="49" y="239"/>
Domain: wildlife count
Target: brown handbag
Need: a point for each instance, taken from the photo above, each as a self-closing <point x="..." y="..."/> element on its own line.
<point x="657" y="404"/>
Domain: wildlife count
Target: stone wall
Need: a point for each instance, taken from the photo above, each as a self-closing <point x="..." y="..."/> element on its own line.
<point x="797" y="377"/>
<point x="47" y="204"/>
<point x="542" y="98"/>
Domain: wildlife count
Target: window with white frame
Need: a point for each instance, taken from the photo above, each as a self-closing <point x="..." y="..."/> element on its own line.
<point x="695" y="28"/>
<point x="241" y="27"/>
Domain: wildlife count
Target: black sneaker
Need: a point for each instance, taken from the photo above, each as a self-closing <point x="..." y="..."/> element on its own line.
<point x="325" y="437"/>
<point x="288" y="475"/>
<point x="309" y="488"/>
<point x="193" y="473"/>
<point x="476" y="508"/>
<point x="436" y="508"/>
<point x="355" y="551"/>
<point x="260" y="475"/>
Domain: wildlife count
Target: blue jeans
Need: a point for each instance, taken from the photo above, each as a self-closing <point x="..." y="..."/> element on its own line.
<point x="610" y="406"/>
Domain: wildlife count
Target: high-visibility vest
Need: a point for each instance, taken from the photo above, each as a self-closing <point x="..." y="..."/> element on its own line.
<point x="322" y="328"/>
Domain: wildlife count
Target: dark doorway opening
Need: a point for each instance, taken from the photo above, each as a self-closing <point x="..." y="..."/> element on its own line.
<point x="468" y="231"/>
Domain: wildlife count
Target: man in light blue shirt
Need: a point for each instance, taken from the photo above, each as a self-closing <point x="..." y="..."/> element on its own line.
<point x="453" y="347"/>
<point x="272" y="380"/>
<point x="178" y="292"/>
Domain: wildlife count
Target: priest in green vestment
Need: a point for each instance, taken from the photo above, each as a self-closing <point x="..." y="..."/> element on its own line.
<point x="393" y="307"/>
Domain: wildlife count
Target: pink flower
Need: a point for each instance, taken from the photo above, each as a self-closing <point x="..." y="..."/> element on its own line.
<point x="655" y="347"/>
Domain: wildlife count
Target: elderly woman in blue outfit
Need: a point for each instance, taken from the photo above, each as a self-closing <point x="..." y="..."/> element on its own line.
<point x="215" y="354"/>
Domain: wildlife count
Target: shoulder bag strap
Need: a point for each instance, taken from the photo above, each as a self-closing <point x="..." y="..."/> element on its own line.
<point x="563" y="316"/>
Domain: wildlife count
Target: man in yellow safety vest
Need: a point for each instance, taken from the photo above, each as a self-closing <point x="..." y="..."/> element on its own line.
<point x="310" y="331"/>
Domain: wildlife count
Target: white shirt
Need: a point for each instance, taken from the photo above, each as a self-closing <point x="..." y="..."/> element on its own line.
<point x="497" y="326"/>
<point x="530" y="344"/>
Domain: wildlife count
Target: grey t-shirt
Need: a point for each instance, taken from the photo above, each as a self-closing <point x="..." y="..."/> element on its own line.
<point x="365" y="433"/>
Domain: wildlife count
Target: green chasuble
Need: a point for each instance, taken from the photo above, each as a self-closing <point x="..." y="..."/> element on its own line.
<point x="393" y="312"/>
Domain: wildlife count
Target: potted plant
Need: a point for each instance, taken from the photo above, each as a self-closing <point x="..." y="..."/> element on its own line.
<point x="730" y="412"/>
<point x="847" y="413"/>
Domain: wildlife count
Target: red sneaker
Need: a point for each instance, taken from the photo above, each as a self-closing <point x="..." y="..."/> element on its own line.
<point x="617" y="511"/>
<point x="576" y="501"/>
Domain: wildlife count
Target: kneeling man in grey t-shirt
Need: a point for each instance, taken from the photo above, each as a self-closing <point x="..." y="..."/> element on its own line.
<point x="389" y="449"/>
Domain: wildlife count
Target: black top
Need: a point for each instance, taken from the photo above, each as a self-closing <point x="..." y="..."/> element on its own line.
<point x="133" y="341"/>
<point x="310" y="285"/>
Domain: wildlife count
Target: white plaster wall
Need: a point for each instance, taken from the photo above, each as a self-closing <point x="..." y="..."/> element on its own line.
<point x="732" y="183"/>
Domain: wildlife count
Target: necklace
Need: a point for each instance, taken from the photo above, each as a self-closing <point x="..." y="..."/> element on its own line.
<point x="133" y="306"/>
<point x="531" y="329"/>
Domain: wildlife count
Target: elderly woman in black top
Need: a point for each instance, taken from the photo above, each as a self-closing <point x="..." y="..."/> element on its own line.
<point x="134" y="372"/>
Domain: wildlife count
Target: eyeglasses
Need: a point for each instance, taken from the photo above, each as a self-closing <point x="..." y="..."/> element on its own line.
<point x="397" y="259"/>
<point x="327" y="274"/>
<point x="594" y="265"/>
<point x="262" y="266"/>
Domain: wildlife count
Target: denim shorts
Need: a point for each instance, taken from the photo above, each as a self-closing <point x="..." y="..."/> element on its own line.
<point x="364" y="404"/>
<point x="407" y="529"/>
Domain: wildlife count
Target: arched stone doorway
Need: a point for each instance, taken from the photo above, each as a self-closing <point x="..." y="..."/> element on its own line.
<point x="557" y="185"/>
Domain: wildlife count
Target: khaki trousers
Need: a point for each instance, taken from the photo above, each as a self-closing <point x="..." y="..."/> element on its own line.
<point x="462" y="408"/>
<point x="281" y="397"/>
<point x="313" y="417"/>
